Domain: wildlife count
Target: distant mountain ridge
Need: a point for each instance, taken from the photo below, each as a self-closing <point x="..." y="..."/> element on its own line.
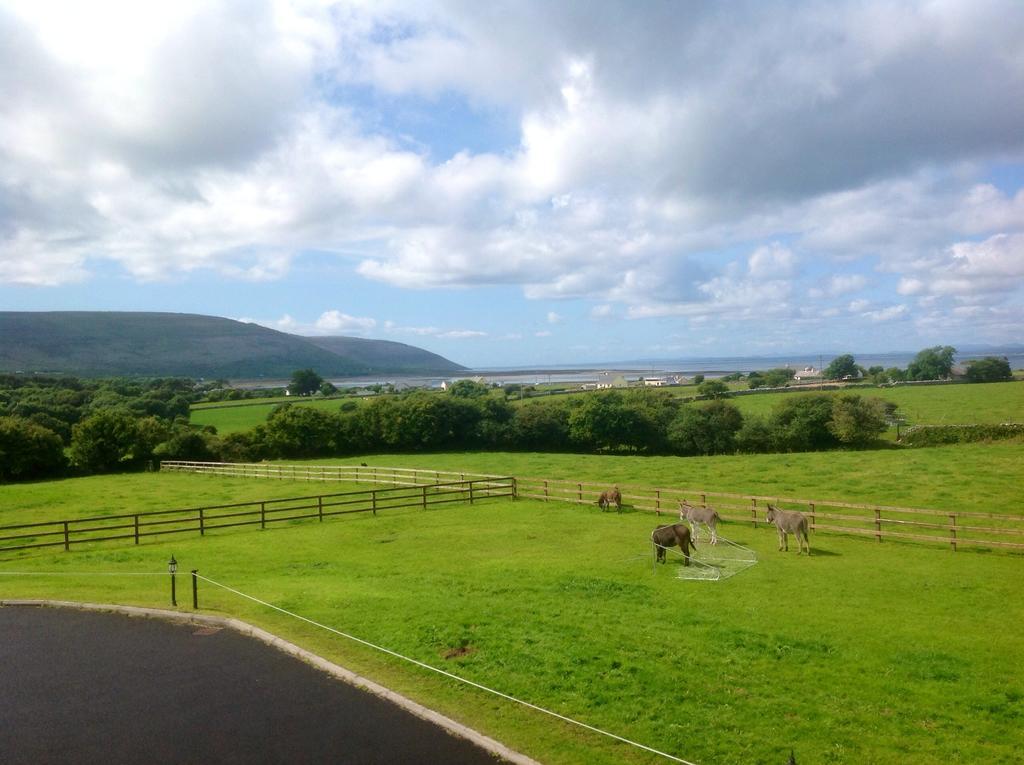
<point x="114" y="343"/>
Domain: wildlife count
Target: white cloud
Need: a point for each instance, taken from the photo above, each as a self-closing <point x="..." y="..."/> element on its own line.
<point x="331" y="322"/>
<point x="657" y="171"/>
<point x="446" y="334"/>
<point x="335" y="321"/>
<point x="969" y="271"/>
<point x="554" y="318"/>
<point x="839" y="284"/>
<point x="889" y="313"/>
<point x="773" y="261"/>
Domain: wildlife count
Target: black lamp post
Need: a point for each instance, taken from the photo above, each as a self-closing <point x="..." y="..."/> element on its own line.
<point x="172" y="567"/>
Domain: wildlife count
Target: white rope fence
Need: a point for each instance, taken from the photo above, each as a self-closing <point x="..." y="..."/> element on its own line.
<point x="447" y="674"/>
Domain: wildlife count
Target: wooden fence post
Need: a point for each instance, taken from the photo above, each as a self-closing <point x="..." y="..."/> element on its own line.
<point x="545" y="490"/>
<point x="67" y="537"/>
<point x="515" y="488"/>
<point x="753" y="511"/>
<point x="952" y="531"/>
<point x="704" y="500"/>
<point x="202" y="523"/>
<point x="579" y="492"/>
<point x="812" y="516"/>
<point x="471" y="492"/>
<point x="136" y="518"/>
<point x="657" y="501"/>
<point x="263" y="515"/>
<point x="424" y="496"/>
<point x="320" y="508"/>
<point x="878" y="524"/>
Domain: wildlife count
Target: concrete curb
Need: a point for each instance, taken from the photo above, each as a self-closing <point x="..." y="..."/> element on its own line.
<point x="456" y="729"/>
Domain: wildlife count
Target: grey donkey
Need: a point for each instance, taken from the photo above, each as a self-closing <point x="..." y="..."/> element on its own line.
<point x="790" y="522"/>
<point x="706" y="515"/>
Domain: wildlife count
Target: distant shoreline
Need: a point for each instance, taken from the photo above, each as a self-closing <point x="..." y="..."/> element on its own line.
<point x="587" y="373"/>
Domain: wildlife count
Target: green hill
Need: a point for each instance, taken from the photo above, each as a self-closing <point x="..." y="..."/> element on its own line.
<point x="383" y="355"/>
<point x="101" y="343"/>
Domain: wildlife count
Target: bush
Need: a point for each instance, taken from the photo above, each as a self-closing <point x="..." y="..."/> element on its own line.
<point x="114" y="439"/>
<point x="842" y="366"/>
<point x="941" y="435"/>
<point x="187" y="443"/>
<point x="540" y="427"/>
<point x="935" y="363"/>
<point x="707" y="429"/>
<point x="300" y="431"/>
<point x="989" y="369"/>
<point x="28" y="450"/>
<point x="801" y="423"/>
<point x="755" y="436"/>
<point x="856" y="420"/>
<point x="713" y="389"/>
<point x="607" y="421"/>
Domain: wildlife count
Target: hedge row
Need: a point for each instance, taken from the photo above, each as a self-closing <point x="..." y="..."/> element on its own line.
<point x="938" y="435"/>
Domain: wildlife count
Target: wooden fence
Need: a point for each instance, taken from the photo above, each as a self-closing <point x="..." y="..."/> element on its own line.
<point x="948" y="527"/>
<point x="878" y="521"/>
<point x="136" y="526"/>
<point x="324" y="473"/>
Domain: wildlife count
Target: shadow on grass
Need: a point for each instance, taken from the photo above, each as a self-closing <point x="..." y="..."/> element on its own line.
<point x="626" y="509"/>
<point x="824" y="553"/>
<point x="816" y="552"/>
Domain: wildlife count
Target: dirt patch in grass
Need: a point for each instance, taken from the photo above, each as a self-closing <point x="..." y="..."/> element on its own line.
<point x="459" y="651"/>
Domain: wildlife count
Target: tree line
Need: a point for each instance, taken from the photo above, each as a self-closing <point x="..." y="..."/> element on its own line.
<point x="627" y="422"/>
<point x="52" y="426"/>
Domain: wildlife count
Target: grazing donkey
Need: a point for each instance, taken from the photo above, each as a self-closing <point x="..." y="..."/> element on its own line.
<point x="695" y="515"/>
<point x="790" y="522"/>
<point x="611" y="497"/>
<point x="670" y="536"/>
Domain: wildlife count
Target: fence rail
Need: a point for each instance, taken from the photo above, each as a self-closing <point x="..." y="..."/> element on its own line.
<point x="324" y="473"/>
<point x="878" y="521"/>
<point x="948" y="527"/>
<point x="264" y="512"/>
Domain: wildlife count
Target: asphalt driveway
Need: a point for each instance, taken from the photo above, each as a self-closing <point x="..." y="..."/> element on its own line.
<point x="84" y="687"/>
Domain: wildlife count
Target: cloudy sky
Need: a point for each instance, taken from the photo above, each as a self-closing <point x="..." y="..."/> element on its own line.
<point x="520" y="182"/>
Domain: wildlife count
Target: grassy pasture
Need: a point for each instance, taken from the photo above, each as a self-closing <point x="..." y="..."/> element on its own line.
<point x="927" y="404"/>
<point x="246" y="415"/>
<point x="922" y="405"/>
<point x="890" y="653"/>
<point x="976" y="477"/>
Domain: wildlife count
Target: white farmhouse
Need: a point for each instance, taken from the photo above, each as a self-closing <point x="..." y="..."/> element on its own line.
<point x="608" y="380"/>
<point x="808" y="373"/>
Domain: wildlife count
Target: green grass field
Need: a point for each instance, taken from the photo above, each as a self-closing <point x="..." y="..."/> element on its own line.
<point x="922" y="405"/>
<point x="228" y="418"/>
<point x="891" y="653"/>
<point x="927" y="404"/>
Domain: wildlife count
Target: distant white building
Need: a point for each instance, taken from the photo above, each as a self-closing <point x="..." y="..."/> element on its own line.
<point x="808" y="373"/>
<point x="607" y="380"/>
<point x="655" y="382"/>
